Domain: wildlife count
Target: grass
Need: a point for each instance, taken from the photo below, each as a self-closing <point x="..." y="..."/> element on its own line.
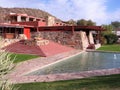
<point x="111" y="82"/>
<point x="114" y="47"/>
<point x="22" y="57"/>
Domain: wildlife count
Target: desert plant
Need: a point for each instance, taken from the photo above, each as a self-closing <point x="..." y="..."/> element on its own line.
<point x="6" y="65"/>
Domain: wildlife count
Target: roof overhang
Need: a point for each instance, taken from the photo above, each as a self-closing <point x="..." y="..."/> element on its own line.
<point x="10" y="25"/>
<point x="69" y="28"/>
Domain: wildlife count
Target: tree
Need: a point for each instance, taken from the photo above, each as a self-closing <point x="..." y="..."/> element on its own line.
<point x="108" y="29"/>
<point x="115" y="24"/>
<point x="82" y="22"/>
<point x="6" y="65"/>
<point x="111" y="38"/>
<point x="108" y="35"/>
<point x="72" y="22"/>
<point x="91" y="23"/>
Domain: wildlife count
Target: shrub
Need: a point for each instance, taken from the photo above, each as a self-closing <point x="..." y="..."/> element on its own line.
<point x="111" y="38"/>
<point x="103" y="40"/>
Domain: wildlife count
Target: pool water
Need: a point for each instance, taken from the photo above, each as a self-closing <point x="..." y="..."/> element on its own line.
<point x="86" y="61"/>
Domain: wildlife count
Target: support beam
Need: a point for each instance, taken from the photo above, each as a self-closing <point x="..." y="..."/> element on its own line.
<point x="27" y="19"/>
<point x="91" y="40"/>
<point x="3" y="34"/>
<point x="37" y="29"/>
<point x="73" y="29"/>
<point x="98" y="37"/>
<point x="19" y="19"/>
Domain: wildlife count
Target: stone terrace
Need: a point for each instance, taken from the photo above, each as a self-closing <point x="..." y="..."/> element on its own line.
<point x="50" y="49"/>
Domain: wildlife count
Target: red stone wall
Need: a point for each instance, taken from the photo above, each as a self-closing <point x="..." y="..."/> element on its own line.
<point x="63" y="37"/>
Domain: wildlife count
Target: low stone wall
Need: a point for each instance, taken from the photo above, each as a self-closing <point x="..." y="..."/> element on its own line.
<point x="6" y="42"/>
<point x="36" y="42"/>
<point x="63" y="37"/>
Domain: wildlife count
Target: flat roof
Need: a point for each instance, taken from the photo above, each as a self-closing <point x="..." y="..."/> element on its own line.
<point x="55" y="28"/>
<point x="10" y="25"/>
<point x="7" y="25"/>
<point x="69" y="28"/>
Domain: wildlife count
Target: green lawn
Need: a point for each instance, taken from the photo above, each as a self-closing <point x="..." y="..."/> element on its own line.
<point x="114" y="47"/>
<point x="22" y="57"/>
<point x="111" y="82"/>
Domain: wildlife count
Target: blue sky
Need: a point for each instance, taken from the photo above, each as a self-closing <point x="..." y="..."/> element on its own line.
<point x="113" y="5"/>
<point x="100" y="11"/>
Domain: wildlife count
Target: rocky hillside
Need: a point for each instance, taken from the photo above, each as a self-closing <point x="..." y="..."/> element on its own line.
<point x="32" y="12"/>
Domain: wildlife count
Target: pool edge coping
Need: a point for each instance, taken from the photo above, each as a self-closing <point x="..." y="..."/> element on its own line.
<point x="102" y="51"/>
<point x="65" y="76"/>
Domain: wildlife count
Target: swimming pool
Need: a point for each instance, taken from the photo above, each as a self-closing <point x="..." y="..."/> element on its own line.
<point x="86" y="61"/>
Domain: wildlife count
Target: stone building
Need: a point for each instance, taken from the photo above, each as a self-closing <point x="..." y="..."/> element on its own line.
<point x="79" y="37"/>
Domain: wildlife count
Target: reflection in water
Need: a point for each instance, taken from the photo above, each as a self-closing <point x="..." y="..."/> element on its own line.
<point x="82" y="62"/>
<point x="115" y="57"/>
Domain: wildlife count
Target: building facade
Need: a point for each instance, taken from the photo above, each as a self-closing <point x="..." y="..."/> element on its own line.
<point x="22" y="26"/>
